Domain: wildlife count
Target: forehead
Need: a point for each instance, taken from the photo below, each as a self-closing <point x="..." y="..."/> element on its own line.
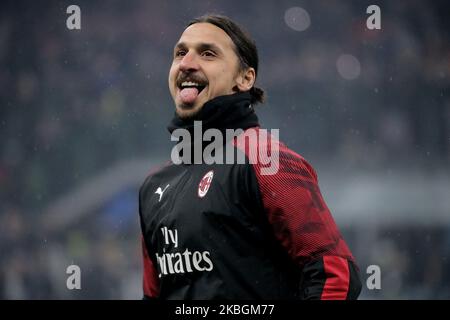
<point x="206" y="33"/>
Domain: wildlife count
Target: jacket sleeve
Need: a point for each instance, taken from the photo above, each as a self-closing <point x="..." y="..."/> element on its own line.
<point x="150" y="275"/>
<point x="303" y="224"/>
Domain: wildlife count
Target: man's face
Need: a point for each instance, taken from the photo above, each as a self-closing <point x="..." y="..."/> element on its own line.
<point x="204" y="66"/>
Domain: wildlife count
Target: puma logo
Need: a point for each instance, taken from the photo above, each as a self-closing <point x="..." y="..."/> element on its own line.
<point x="160" y="192"/>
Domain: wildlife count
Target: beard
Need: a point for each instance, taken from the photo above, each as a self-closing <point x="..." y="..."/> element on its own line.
<point x="187" y="112"/>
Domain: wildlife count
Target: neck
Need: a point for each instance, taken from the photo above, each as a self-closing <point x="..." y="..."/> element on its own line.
<point x="224" y="112"/>
<point x="221" y="113"/>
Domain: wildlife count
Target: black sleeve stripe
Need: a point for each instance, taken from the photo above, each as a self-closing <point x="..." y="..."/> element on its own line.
<point x="355" y="284"/>
<point x="312" y="280"/>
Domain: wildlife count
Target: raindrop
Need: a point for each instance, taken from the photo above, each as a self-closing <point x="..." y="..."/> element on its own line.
<point x="348" y="67"/>
<point x="297" y="19"/>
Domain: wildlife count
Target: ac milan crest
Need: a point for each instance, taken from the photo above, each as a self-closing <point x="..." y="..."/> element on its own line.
<point x="205" y="183"/>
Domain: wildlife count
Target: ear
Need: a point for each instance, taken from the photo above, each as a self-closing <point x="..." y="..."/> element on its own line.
<point x="245" y="79"/>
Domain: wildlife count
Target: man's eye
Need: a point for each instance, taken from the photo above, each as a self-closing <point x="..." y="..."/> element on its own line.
<point x="180" y="53"/>
<point x="208" y="53"/>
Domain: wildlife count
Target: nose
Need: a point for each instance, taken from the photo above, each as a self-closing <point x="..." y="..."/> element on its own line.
<point x="189" y="62"/>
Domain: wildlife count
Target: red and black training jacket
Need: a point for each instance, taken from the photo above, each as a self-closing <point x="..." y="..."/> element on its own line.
<point x="227" y="231"/>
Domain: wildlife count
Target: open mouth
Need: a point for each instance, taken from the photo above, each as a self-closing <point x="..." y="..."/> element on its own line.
<point x="192" y="84"/>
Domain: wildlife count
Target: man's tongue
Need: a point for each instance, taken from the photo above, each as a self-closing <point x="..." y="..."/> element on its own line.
<point x="188" y="95"/>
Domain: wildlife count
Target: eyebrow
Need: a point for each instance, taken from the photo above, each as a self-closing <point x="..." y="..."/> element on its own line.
<point x="200" y="47"/>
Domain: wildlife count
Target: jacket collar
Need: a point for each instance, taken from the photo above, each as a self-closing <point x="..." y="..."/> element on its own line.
<point x="224" y="112"/>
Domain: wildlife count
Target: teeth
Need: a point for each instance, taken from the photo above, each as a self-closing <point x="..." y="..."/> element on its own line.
<point x="189" y="83"/>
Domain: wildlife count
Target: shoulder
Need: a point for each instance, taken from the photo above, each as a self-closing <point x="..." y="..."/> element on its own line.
<point x="153" y="173"/>
<point x="271" y="157"/>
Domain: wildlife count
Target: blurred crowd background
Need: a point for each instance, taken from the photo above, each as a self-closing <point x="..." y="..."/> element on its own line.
<point x="83" y="117"/>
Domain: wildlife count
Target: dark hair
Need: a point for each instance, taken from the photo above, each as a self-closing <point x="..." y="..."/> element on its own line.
<point x="244" y="47"/>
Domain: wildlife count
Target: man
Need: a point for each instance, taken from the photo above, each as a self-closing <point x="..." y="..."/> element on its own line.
<point x="227" y="230"/>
